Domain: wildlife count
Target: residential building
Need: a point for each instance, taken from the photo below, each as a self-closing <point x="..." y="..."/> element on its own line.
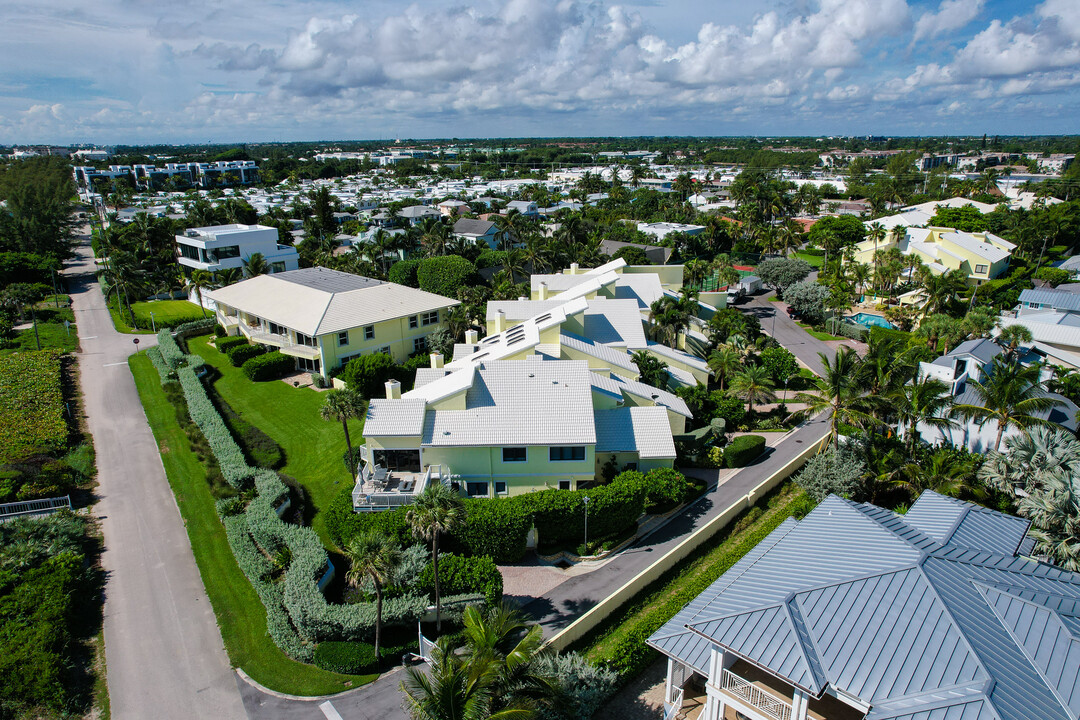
<point x="218" y="247"/>
<point x="979" y="256"/>
<point x="656" y="254"/>
<point x="525" y="207"/>
<point x="859" y="612"/>
<point x="325" y="318"/>
<point x="478" y="231"/>
<point x="1052" y="316"/>
<point x="451" y="208"/>
<point x="661" y="230"/>
<point x="972" y="360"/>
<point x="416" y="214"/>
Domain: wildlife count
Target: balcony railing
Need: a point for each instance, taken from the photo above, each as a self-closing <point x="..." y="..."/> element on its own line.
<point x="378" y="489"/>
<point x="27" y="508"/>
<point x="761" y="700"/>
<point x="281" y="341"/>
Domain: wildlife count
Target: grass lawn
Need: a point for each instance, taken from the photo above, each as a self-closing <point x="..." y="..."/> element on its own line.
<point x="239" y="611"/>
<point x="313" y="447"/>
<point x="661" y="601"/>
<point x="167" y="313"/>
<point x="814" y="260"/>
<point x="51" y="331"/>
<point x="818" y="334"/>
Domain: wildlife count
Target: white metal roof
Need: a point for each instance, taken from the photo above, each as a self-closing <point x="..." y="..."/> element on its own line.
<point x="644" y="430"/>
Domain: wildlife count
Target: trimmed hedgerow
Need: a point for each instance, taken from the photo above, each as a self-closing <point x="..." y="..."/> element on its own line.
<point x="743" y="450"/>
<point x="459" y="575"/>
<point x="242" y="353"/>
<point x="269" y="366"/>
<point x="196" y="327"/>
<point x="496" y="528"/>
<point x="613" y="508"/>
<point x="665" y="488"/>
<point x="170" y="352"/>
<point x="225" y="344"/>
<point x="228" y="453"/>
<point x="342" y="524"/>
<point x="167" y="373"/>
<point x="347" y="658"/>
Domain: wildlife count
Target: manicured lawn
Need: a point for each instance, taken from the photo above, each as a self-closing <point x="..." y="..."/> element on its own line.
<point x="814" y="260"/>
<point x="167" y="313"/>
<point x="240" y="613"/>
<point x="818" y="334"/>
<point x="51" y="331"/>
<point x="313" y="447"/>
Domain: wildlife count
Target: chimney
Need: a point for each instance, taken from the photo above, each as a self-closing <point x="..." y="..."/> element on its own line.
<point x="500" y="320"/>
<point x="543" y="291"/>
<point x="393" y="390"/>
<point x="436" y="360"/>
<point x="471" y="337"/>
<point x="573" y="268"/>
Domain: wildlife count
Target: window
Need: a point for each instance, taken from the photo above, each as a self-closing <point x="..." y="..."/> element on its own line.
<point x="420" y="344"/>
<point x="224" y="253"/>
<point x="514" y="454"/>
<point x="429" y="318"/>
<point x="413" y="322"/>
<point x="302" y="339"/>
<point x="276" y="329"/>
<point x="566" y="452"/>
<point x="564" y="484"/>
<point x="401" y="460"/>
<point x="476" y="489"/>
<point x="343" y="338"/>
<point x="277" y="267"/>
<point x="981" y="269"/>
<point x="189" y="252"/>
<point x="385" y="350"/>
<point x="500" y="487"/>
<point x="369" y="332"/>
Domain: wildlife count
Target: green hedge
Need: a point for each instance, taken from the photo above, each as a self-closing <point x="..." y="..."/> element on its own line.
<point x="403" y="272"/>
<point x="225" y="344"/>
<point x="665" y="488"/>
<point x="347" y="658"/>
<point x="613" y="508"/>
<point x="242" y="353"/>
<point x="167" y="373"/>
<point x="443" y="275"/>
<point x="743" y="450"/>
<point x="460" y="575"/>
<point x="270" y="366"/>
<point x="196" y="327"/>
<point x="498" y="528"/>
<point x="170" y="352"/>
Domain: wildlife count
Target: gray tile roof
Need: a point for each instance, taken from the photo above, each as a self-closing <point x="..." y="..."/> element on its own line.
<point x="615" y="356"/>
<point x="923" y="616"/>
<point x="644" y="430"/>
<point x="981" y="349"/>
<point x="468" y="226"/>
<point x="327" y="280"/>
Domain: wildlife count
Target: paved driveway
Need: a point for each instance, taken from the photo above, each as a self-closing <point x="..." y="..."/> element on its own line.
<point x="163" y="650"/>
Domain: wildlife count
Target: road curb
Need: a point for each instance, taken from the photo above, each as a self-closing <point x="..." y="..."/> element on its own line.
<point x="309" y="698"/>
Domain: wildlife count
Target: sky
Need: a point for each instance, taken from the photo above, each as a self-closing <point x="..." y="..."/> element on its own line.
<point x="194" y="71"/>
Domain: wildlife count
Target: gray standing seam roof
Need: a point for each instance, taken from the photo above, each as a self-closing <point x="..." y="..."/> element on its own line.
<point x="327" y="280"/>
<point x="1057" y="299"/>
<point x="954" y="627"/>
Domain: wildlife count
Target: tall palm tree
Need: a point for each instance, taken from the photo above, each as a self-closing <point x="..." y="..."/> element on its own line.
<point x="723" y="361"/>
<point x="840" y="394"/>
<point x="255" y="264"/>
<point x="754" y="384"/>
<point x="1010" y="395"/>
<point x="1012" y="337"/>
<point x="943" y="472"/>
<point x="876" y="233"/>
<point x="227" y="276"/>
<point x="435" y="511"/>
<point x="941" y="290"/>
<point x="1055" y="517"/>
<point x="343" y="405"/>
<point x="198" y="281"/>
<point x="926" y="401"/>
<point x="668" y="317"/>
<point x="375" y="556"/>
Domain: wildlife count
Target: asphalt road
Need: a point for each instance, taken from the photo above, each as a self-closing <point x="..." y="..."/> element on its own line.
<point x="775" y="322"/>
<point x="163" y="650"/>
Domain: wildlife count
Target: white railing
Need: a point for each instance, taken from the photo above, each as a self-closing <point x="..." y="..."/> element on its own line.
<point x="761" y="700"/>
<point x="34" y="507"/>
<point x="671" y="709"/>
<point x="365" y="499"/>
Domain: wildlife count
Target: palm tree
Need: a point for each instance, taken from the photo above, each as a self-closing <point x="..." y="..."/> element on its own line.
<point x="375" y="556"/>
<point x="198" y="281"/>
<point x="1055" y="517"/>
<point x="435" y="511"/>
<point x="255" y="264"/>
<point x="940" y="290"/>
<point x="723" y="361"/>
<point x="877" y="234"/>
<point x="926" y="401"/>
<point x="343" y="405"/>
<point x="754" y="384"/>
<point x="669" y="317"/>
<point x="1010" y="395"/>
<point x="1012" y="337"/>
<point x="839" y="393"/>
<point x="943" y="472"/>
<point x="227" y="276"/>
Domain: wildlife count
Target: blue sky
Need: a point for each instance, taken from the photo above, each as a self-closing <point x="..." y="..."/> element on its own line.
<point x="137" y="71"/>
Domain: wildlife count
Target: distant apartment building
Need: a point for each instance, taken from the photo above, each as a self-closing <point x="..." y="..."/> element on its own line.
<point x="980" y="256"/>
<point x="228" y="246"/>
<point x="151" y="177"/>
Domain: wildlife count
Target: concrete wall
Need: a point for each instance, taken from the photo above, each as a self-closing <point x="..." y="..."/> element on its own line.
<point x="580" y="627"/>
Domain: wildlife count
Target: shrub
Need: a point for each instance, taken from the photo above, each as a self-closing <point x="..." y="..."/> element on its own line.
<point x="808" y="300"/>
<point x="368" y="374"/>
<point x="848" y="329"/>
<point x="445" y="274"/>
<point x="269" y="366"/>
<point x="834" y="471"/>
<point x="166" y="373"/>
<point x="585" y="687"/>
<point x="743" y="450"/>
<point x="195" y="327"/>
<point x="559" y="515"/>
<point x="665" y="488"/>
<point x="459" y="575"/>
<point x="1054" y="276"/>
<point x="342" y="523"/>
<point x="242" y="353"/>
<point x="498" y="528"/>
<point x="170" y="351"/>
<point x="31" y="405"/>
<point x="219" y="331"/>
<point x="728" y="407"/>
<point x="226" y="344"/>
<point x="403" y="272"/>
<point x="347" y="658"/>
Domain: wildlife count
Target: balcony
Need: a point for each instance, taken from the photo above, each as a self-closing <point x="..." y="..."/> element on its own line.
<point x="281" y="341"/>
<point x="380" y="489"/>
<point x="756" y="696"/>
<point x="770" y="698"/>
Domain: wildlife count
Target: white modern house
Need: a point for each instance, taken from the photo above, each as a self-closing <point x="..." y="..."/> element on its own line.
<point x="227" y="246"/>
<point x="525" y="207"/>
<point x="859" y="613"/>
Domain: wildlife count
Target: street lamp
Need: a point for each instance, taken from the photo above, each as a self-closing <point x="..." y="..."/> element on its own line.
<point x="152" y="323"/>
<point x="586" y="501"/>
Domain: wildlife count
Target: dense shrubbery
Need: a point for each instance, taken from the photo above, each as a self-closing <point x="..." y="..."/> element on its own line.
<point x="269" y="366"/>
<point x="368" y="374"/>
<point x="665" y="488"/>
<point x="347" y="658"/>
<point x="31" y="405"/>
<point x="240" y="354"/>
<point x="443" y="275"/>
<point x="403" y="272"/>
<point x="613" y="508"/>
<point x="838" y="326"/>
<point x="743" y="450"/>
<point x="226" y="344"/>
<point x="170" y="351"/>
<point x="496" y="528"/>
<point x="585" y="686"/>
<point x="460" y="575"/>
<point x="167" y="373"/>
<point x="196" y="327"/>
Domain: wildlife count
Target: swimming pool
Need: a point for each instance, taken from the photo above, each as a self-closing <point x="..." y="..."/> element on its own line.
<point x="868" y="320"/>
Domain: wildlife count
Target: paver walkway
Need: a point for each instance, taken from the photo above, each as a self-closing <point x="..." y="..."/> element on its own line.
<point x="163" y="650"/>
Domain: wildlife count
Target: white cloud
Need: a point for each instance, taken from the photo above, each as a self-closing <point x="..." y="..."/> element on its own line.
<point x="951" y="15"/>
